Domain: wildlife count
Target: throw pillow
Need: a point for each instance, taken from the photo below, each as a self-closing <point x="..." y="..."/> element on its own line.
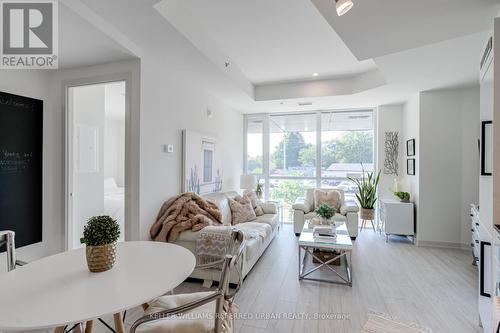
<point x="241" y="210"/>
<point x="254" y="200"/>
<point x="329" y="197"/>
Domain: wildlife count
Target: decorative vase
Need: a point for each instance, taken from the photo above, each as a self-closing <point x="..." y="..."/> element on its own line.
<point x="259" y="194"/>
<point x="101" y="258"/>
<point x="367" y="213"/>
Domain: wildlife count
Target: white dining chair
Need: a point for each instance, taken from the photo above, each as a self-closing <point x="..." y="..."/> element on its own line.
<point x="7" y="238"/>
<point x="199" y="312"/>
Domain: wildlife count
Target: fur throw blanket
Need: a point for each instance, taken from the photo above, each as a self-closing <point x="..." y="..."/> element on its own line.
<point x="187" y="211"/>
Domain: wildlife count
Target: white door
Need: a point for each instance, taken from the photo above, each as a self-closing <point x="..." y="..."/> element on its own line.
<point x="96" y="156"/>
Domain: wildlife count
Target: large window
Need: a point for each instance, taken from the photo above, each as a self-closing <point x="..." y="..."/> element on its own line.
<point x="292" y="143"/>
<point x="255" y="147"/>
<point x="346" y="142"/>
<point x="293" y="152"/>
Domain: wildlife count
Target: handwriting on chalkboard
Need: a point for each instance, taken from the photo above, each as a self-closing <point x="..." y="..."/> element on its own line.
<point x="17" y="101"/>
<point x="14" y="161"/>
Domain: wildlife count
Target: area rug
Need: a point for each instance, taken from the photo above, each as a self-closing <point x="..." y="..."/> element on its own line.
<point x="383" y="323"/>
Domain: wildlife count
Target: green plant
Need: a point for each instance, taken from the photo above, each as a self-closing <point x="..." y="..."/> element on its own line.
<point x="325" y="211"/>
<point x="403" y="196"/>
<point x="367" y="188"/>
<point x="260" y="189"/>
<point x="100" y="230"/>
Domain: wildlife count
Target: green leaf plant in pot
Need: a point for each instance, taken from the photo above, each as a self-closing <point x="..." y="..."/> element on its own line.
<point x="367" y="193"/>
<point x="403" y="196"/>
<point x="259" y="190"/>
<point x="325" y="213"/>
<point x="100" y="235"/>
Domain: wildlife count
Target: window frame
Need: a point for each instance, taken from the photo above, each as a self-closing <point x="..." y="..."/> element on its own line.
<point x="265" y="118"/>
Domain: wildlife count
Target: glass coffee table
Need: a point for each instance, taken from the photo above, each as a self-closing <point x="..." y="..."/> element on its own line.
<point x="341" y="244"/>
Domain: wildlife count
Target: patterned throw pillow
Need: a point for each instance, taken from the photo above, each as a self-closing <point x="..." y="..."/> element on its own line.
<point x="330" y="197"/>
<point x="254" y="200"/>
<point x="241" y="210"/>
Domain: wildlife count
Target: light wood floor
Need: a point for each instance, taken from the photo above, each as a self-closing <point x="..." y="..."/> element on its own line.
<point x="435" y="288"/>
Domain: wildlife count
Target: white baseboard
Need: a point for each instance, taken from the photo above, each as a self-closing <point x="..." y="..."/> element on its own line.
<point x="446" y="245"/>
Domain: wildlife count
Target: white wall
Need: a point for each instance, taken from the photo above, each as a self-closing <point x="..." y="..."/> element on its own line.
<point x="411" y="130"/>
<point x="389" y="119"/>
<point x="168" y="106"/>
<point x="448" y="161"/>
<point x="87" y="105"/>
<point x="114" y="150"/>
<point x="129" y="71"/>
<point x="469" y="102"/>
<point x="114" y="132"/>
<point x="34" y="84"/>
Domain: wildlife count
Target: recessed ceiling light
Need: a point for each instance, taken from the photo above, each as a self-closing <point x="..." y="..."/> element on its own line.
<point x="315" y="74"/>
<point x="343" y="6"/>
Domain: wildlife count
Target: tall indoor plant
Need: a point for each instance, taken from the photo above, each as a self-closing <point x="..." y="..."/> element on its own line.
<point x="367" y="193"/>
<point x="100" y="235"/>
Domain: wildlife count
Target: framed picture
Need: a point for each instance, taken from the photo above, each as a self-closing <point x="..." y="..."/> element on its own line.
<point x="202" y="163"/>
<point x="410" y="166"/>
<point x="486" y="148"/>
<point x="410" y="147"/>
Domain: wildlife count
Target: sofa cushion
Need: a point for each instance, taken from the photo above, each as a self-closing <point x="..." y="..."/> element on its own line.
<point x="332" y="198"/>
<point x="310" y="195"/>
<point x="221" y="200"/>
<point x="252" y="248"/>
<point x="270" y="219"/>
<point x="252" y="196"/>
<point x="241" y="210"/>
<point x="256" y="233"/>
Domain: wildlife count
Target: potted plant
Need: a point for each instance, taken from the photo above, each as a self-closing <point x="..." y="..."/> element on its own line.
<point x="367" y="193"/>
<point x="325" y="213"/>
<point x="100" y="235"/>
<point x="403" y="196"/>
<point x="259" y="190"/>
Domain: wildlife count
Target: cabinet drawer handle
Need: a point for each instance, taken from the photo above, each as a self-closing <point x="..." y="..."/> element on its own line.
<point x="477" y="224"/>
<point x="477" y="242"/>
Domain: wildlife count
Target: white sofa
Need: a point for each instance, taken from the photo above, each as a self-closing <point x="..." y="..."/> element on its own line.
<point x="303" y="209"/>
<point x="254" y="247"/>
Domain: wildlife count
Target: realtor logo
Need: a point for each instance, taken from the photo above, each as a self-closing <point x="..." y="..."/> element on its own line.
<point x="29" y="37"/>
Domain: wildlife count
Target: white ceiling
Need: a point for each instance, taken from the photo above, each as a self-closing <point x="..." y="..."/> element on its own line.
<point x="272" y="41"/>
<point x="376" y="28"/>
<point x="405" y="47"/>
<point x="274" y="46"/>
<point x="82" y="44"/>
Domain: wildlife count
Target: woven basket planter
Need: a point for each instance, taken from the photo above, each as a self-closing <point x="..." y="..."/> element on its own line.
<point x="367" y="214"/>
<point x="101" y="258"/>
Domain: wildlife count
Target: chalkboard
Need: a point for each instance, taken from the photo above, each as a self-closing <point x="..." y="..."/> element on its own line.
<point x="21" y="143"/>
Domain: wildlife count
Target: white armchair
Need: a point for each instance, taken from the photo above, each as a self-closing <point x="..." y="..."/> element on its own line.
<point x="303" y="209"/>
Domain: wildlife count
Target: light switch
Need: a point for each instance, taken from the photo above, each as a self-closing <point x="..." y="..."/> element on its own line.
<point x="168" y="148"/>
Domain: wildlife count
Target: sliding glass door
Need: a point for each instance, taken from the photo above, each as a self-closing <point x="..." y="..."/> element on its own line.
<point x="293" y="152"/>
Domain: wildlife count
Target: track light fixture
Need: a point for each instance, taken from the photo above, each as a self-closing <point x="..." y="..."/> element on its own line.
<point x="343" y="6"/>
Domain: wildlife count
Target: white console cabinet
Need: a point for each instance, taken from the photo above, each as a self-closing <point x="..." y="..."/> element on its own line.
<point x="397" y="218"/>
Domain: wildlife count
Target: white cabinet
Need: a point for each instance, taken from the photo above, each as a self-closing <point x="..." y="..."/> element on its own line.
<point x="397" y="218"/>
<point x="474" y="213"/>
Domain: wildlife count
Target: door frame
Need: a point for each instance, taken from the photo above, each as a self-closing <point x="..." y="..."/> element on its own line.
<point x="68" y="150"/>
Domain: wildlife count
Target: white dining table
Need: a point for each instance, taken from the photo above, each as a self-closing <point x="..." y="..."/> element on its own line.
<point x="59" y="290"/>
